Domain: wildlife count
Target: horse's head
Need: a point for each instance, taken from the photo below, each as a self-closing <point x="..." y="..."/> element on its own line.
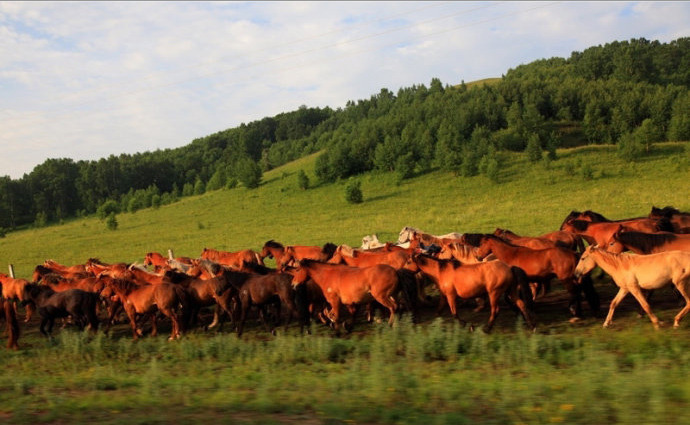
<point x="299" y="272"/>
<point x="485" y="246"/>
<point x="586" y="263"/>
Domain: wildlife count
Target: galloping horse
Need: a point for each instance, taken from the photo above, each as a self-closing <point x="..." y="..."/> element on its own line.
<point x="232" y="259"/>
<point x="350" y="286"/>
<point x="679" y="220"/>
<point x="262" y="290"/>
<point x="13" y="291"/>
<point x="634" y="273"/>
<point x="559" y="238"/>
<point x="285" y="255"/>
<point x="159" y="262"/>
<point x="408" y="234"/>
<point x="641" y="224"/>
<point x="492" y="278"/>
<point x="51" y="305"/>
<point x="170" y="299"/>
<point x="647" y="243"/>
<point x="64" y="270"/>
<point x="541" y="266"/>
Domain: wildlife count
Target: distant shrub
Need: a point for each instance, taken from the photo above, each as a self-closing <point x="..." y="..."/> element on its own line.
<point x="302" y="180"/>
<point x="111" y="223"/>
<point x="353" y="192"/>
<point x="107" y="208"/>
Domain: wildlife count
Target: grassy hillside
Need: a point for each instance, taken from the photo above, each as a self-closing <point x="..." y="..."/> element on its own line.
<point x="431" y="372"/>
<point x="528" y="199"/>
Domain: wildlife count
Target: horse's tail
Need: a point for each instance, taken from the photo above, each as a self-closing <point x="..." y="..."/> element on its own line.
<point x="184" y="308"/>
<point x="522" y="285"/>
<point x="407" y="285"/>
<point x="12" y="325"/>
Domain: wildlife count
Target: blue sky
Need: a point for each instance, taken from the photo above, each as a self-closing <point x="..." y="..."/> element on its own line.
<point x="85" y="80"/>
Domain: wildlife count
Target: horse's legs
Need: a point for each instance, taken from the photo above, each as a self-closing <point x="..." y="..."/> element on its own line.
<point x="244" y="306"/>
<point x="451" y="298"/>
<point x="575" y="301"/>
<point x="493" y="302"/>
<point x="639" y="296"/>
<point x="591" y="294"/>
<point x="614" y="303"/>
<point x="29" y="310"/>
<point x="520" y="303"/>
<point x="43" y="326"/>
<point x="681" y="287"/>
<point x="131" y="314"/>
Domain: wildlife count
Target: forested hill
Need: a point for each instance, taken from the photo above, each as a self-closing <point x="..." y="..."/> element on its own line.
<point x="630" y="93"/>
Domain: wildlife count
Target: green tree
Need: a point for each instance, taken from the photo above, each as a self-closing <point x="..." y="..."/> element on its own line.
<point x="679" y="124"/>
<point x="533" y="149"/>
<point x="302" y="180"/>
<point x="629" y="147"/>
<point x="647" y="134"/>
<point x="199" y="187"/>
<point x="248" y="173"/>
<point x="353" y="192"/>
<point x="111" y="223"/>
<point x="107" y="208"/>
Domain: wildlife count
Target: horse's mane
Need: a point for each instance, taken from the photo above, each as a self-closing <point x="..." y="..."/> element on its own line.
<point x="473" y="239"/>
<point x="176" y="276"/>
<point x="667" y="211"/>
<point x="274" y="244"/>
<point x="329" y="249"/>
<point x="443" y="263"/>
<point x="580" y="225"/>
<point x="595" y="217"/>
<point x="645" y="242"/>
<point x="572" y="216"/>
<point x="258" y="268"/>
<point x="122" y="284"/>
<point x="95" y="261"/>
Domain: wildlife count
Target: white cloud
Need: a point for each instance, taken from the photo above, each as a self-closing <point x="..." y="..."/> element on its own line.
<point x="88" y="79"/>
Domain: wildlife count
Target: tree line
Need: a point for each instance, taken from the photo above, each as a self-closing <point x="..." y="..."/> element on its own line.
<point x="630" y="93"/>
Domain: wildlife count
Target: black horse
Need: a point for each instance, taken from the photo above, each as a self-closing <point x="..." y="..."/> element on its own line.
<point x="51" y="305"/>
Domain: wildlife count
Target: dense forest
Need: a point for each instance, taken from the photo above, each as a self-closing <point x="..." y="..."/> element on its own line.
<point x="629" y="93"/>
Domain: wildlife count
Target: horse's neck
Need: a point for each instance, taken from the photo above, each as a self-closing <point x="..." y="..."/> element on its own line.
<point x="503" y="249"/>
<point x="430" y="267"/>
<point x="609" y="262"/>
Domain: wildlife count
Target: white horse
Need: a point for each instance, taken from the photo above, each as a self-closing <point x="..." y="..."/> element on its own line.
<point x="409" y="233"/>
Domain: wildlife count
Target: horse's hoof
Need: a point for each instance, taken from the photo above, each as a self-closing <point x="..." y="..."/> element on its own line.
<point x="471" y="328"/>
<point x="574" y="319"/>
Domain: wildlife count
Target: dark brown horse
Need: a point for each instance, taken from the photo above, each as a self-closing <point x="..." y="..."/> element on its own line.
<point x="543" y="265"/>
<point x="493" y="278"/>
<point x="262" y="290"/>
<point x="51" y="305"/>
<point x="350" y="286"/>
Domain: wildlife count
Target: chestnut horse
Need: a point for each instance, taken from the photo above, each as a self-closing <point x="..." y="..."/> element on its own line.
<point x="543" y="265"/>
<point x="646" y="243"/>
<point x="13" y="291"/>
<point x="232" y="259"/>
<point x="634" y="273"/>
<point x="558" y="238"/>
<point x="170" y="299"/>
<point x="286" y="255"/>
<point x="641" y="224"/>
<point x="160" y="262"/>
<point x="350" y="286"/>
<point x="492" y="278"/>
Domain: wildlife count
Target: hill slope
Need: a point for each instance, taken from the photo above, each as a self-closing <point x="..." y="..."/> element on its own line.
<point x="529" y="199"/>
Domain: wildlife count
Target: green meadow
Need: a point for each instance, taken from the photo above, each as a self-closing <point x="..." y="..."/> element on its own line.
<point x="434" y="371"/>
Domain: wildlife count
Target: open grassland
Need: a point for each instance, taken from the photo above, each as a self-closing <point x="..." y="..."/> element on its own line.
<point x="431" y="372"/>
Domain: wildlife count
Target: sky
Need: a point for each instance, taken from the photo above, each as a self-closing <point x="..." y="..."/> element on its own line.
<point x="86" y="80"/>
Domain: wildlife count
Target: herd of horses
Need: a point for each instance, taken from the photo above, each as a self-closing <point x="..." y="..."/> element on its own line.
<point x="325" y="284"/>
